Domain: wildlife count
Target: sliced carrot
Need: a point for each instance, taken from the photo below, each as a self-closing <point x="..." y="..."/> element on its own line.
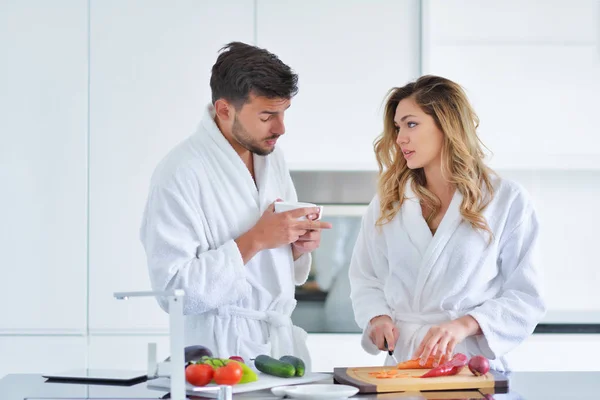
<point x="415" y="363"/>
<point x="393" y="376"/>
<point x="388" y="374"/>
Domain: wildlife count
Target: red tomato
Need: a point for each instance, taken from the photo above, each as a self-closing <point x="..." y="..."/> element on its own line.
<point x="199" y="374"/>
<point x="229" y="374"/>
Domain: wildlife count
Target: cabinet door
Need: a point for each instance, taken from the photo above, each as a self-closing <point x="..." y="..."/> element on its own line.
<point x="150" y="72"/>
<point x="532" y="71"/>
<point x="329" y="351"/>
<point x="43" y="126"/>
<point x="125" y="352"/>
<point x="41" y="354"/>
<point x="569" y="240"/>
<point x="555" y="352"/>
<point x="347" y="54"/>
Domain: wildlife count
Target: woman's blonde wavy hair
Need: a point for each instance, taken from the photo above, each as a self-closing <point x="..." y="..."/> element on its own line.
<point x="462" y="154"/>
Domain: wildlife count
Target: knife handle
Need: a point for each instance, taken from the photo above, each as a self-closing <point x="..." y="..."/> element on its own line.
<point x="385" y="344"/>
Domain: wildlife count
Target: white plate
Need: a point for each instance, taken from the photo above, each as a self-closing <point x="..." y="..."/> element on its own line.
<point x="316" y="391"/>
<point x="265" y="382"/>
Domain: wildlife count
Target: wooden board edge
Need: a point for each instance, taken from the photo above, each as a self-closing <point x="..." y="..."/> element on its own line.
<point x="340" y="376"/>
<point x="500" y="382"/>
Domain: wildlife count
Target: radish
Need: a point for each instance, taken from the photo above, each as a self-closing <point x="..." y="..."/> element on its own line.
<point x="479" y="365"/>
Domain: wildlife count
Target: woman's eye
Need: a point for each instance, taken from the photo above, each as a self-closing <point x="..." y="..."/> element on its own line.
<point x="411" y="124"/>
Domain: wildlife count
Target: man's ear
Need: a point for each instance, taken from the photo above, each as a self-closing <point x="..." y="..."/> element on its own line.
<point x="224" y="110"/>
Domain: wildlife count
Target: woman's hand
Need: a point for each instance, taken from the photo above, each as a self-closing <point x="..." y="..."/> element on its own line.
<point x="441" y="339"/>
<point x="382" y="327"/>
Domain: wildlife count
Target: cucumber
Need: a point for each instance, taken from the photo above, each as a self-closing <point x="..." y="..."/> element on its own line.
<point x="274" y="367"/>
<point x="296" y="362"/>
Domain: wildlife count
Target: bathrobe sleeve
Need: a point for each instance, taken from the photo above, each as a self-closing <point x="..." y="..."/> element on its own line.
<point x="302" y="268"/>
<point x="366" y="286"/>
<point x="511" y="317"/>
<point x="171" y="234"/>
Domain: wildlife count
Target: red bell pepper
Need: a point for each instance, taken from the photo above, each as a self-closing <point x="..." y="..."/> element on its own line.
<point x="449" y="368"/>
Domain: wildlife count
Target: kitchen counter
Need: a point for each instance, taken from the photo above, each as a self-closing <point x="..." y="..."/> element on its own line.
<point x="523" y="385"/>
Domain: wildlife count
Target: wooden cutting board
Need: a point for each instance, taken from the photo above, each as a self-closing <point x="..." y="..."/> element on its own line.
<point x="436" y="395"/>
<point x="359" y="377"/>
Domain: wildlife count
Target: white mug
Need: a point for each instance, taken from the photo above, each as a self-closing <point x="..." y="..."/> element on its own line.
<point x="282" y="206"/>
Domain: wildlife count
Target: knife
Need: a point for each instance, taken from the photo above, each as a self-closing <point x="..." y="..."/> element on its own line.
<point x="390" y="352"/>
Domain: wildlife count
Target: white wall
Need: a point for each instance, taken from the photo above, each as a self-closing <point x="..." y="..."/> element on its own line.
<point x="93" y="94"/>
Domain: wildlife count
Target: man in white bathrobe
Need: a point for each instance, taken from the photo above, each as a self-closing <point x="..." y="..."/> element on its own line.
<point x="445" y="259"/>
<point x="209" y="226"/>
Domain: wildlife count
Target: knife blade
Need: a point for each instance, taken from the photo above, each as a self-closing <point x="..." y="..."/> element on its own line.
<point x="390" y="352"/>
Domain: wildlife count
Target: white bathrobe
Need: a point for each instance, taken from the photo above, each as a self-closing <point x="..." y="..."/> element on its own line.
<point x="202" y="197"/>
<point x="421" y="280"/>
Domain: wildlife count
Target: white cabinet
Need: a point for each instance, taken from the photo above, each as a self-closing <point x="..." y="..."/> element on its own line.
<point x="41" y="354"/>
<point x="43" y="127"/>
<point x="125" y="352"/>
<point x="150" y="71"/>
<point x="347" y="54"/>
<point x="329" y="351"/>
<point x="511" y="21"/>
<point x="567" y="205"/>
<point x="553" y="352"/>
<point x="531" y="70"/>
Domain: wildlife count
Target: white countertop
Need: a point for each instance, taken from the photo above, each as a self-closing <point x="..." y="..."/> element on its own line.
<point x="571" y="317"/>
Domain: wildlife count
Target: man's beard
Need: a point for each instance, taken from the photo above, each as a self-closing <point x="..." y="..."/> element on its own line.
<point x="242" y="136"/>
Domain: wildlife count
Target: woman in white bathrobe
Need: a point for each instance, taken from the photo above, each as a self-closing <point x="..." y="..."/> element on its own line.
<point x="445" y="260"/>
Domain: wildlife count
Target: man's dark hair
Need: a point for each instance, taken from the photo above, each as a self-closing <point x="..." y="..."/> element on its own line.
<point x="241" y="69"/>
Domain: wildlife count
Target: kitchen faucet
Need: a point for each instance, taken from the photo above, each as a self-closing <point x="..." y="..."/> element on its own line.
<point x="175" y="367"/>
